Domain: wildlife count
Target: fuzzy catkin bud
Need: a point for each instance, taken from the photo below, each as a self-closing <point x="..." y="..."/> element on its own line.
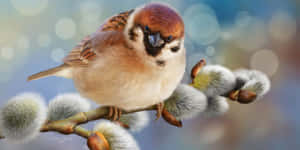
<point x="118" y="138"/>
<point x="186" y="102"/>
<point x="253" y="80"/>
<point x="66" y="105"/>
<point x="22" y="117"/>
<point x="214" y="80"/>
<point x="136" y="121"/>
<point x="216" y="106"/>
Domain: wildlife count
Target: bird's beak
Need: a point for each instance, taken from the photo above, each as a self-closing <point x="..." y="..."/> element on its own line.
<point x="155" y="40"/>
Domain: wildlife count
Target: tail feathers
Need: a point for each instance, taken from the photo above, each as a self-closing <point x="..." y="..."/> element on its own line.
<point x="62" y="70"/>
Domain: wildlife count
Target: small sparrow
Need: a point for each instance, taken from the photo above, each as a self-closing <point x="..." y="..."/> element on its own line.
<point x="134" y="60"/>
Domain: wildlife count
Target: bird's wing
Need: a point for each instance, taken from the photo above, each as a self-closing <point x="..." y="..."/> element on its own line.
<point x="117" y="22"/>
<point x="80" y="54"/>
<point x="107" y="34"/>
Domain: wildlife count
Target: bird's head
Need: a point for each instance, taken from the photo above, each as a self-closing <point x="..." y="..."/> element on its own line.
<point x="157" y="32"/>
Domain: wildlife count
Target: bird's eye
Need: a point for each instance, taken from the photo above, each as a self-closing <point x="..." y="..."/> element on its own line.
<point x="169" y="38"/>
<point x="147" y="28"/>
<point x="175" y="49"/>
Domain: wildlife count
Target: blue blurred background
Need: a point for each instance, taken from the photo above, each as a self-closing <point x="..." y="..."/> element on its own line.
<point x="257" y="34"/>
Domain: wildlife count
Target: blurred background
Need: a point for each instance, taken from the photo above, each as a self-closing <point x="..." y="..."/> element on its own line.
<point x="256" y="34"/>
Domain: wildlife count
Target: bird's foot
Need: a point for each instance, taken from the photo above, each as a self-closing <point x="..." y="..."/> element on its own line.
<point x="159" y="110"/>
<point x="114" y="113"/>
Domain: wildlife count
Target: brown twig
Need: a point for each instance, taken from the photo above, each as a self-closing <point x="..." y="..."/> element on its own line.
<point x="242" y="96"/>
<point x="96" y="141"/>
<point x="72" y="124"/>
<point x="196" y="69"/>
<point x="171" y="119"/>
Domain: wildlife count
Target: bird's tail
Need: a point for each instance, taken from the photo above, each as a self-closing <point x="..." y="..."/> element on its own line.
<point x="62" y="70"/>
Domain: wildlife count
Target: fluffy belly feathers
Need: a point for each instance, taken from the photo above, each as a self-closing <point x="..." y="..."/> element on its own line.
<point x="123" y="89"/>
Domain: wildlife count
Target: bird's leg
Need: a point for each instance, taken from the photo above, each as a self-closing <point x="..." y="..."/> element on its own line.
<point x="114" y="113"/>
<point x="159" y="110"/>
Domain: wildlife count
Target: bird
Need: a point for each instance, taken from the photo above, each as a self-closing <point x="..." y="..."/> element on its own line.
<point x="134" y="60"/>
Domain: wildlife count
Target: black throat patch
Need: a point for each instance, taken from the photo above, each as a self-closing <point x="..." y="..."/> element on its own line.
<point x="152" y="51"/>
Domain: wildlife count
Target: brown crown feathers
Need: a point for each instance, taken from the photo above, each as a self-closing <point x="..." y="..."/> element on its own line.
<point x="161" y="18"/>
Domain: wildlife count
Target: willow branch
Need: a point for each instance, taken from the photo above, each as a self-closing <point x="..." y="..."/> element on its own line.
<point x="71" y="125"/>
<point x="96" y="141"/>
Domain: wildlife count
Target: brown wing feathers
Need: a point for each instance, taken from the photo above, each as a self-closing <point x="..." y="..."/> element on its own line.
<point x="83" y="52"/>
<point x="80" y="54"/>
<point x="118" y="22"/>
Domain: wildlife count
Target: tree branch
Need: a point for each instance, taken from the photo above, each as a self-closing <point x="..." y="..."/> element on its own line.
<point x="70" y="125"/>
<point x="96" y="141"/>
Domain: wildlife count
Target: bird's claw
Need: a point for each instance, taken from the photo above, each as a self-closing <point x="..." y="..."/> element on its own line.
<point x="114" y="113"/>
<point x="159" y="110"/>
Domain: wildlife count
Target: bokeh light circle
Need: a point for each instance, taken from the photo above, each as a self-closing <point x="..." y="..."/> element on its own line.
<point x="6" y="71"/>
<point x="177" y="4"/>
<point x="210" y="51"/>
<point x="23" y="42"/>
<point x="65" y="28"/>
<point x="226" y="35"/>
<point x="201" y="24"/>
<point x="90" y="10"/>
<point x="249" y="33"/>
<point x="7" y="53"/>
<point x="58" y="54"/>
<point x="243" y="19"/>
<point x="29" y="7"/>
<point x="266" y="61"/>
<point x="282" y="27"/>
<point x="220" y="59"/>
<point x="43" y="40"/>
<point x="90" y="16"/>
<point x="195" y="58"/>
<point x="22" y="46"/>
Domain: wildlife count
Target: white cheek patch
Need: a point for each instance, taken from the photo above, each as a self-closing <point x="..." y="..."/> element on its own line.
<point x="140" y="34"/>
<point x="172" y="44"/>
<point x="166" y="51"/>
<point x="139" y="43"/>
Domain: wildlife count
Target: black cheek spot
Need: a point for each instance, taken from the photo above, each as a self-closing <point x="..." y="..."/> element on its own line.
<point x="175" y="49"/>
